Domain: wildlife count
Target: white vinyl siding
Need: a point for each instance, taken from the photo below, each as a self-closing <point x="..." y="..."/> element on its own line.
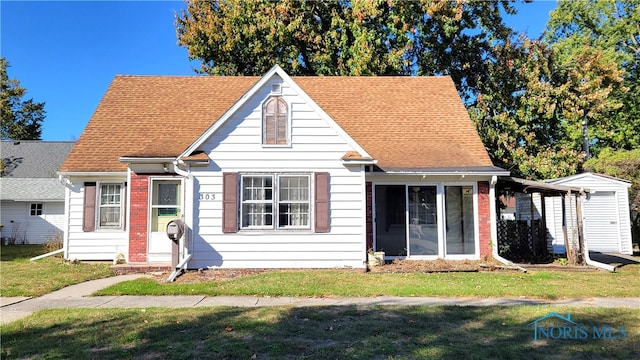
<point x="315" y="146"/>
<point x="102" y="244"/>
<point x="32" y="229"/>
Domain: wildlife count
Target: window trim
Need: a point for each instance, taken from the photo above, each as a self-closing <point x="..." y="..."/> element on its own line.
<point x="275" y="203"/>
<point x="99" y="206"/>
<point x="38" y="209"/>
<point x="263" y="122"/>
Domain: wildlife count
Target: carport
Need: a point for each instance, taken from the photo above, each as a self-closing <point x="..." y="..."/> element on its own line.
<point x="531" y="217"/>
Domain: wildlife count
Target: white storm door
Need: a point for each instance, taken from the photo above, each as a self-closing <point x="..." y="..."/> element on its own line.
<point x="166" y="205"/>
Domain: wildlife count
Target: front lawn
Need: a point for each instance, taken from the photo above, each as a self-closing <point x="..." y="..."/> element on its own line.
<point x="350" y="332"/>
<point x="20" y="277"/>
<point x="535" y="284"/>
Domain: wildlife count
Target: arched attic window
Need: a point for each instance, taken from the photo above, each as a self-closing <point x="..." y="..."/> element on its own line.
<point x="275" y="122"/>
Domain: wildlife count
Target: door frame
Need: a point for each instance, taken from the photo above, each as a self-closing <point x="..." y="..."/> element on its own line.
<point x="153" y="180"/>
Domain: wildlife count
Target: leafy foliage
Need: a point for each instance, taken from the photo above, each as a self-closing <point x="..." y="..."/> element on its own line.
<point x="612" y="27"/>
<point x="360" y="37"/>
<point x="529" y="99"/>
<point x="530" y="110"/>
<point x="21" y="119"/>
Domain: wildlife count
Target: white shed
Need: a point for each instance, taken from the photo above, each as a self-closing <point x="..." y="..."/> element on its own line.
<point x="605" y="213"/>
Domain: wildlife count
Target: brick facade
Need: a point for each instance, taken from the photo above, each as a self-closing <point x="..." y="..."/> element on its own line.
<point x="138" y="231"/>
<point x="484" y="218"/>
<point x="369" y="216"/>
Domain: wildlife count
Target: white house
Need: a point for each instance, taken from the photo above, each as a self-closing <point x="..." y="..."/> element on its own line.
<point x="31" y="195"/>
<point x="279" y="172"/>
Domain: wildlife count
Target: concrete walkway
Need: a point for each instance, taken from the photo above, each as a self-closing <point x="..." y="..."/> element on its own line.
<point x="77" y="296"/>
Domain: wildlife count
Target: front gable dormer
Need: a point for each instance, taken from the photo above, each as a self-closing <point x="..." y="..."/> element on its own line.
<point x="273" y="115"/>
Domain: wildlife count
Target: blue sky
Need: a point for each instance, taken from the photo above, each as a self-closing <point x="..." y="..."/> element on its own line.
<point x="66" y="53"/>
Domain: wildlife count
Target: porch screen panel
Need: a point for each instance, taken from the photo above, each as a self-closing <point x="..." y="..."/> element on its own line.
<point x="460" y="232"/>
<point x="423" y="221"/>
<point x="390" y="220"/>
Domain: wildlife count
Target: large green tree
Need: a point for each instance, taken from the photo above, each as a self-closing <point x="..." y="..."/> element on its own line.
<point x="528" y="104"/>
<point x="21" y="119"/>
<point x="361" y="37"/>
<point x="529" y="111"/>
<point x="612" y="27"/>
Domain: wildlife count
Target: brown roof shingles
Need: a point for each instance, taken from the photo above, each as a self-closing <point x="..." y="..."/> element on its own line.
<point x="403" y="122"/>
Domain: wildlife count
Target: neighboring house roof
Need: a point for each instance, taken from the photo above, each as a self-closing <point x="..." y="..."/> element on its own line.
<point x="584" y="175"/>
<point x="402" y="122"/>
<point x="33" y="158"/>
<point x="29" y="169"/>
<point x="31" y="189"/>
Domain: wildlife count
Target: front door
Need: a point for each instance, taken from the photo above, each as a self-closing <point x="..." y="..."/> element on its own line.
<point x="165" y="206"/>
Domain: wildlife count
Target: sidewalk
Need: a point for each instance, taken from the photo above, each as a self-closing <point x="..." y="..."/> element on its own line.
<point x="77" y="296"/>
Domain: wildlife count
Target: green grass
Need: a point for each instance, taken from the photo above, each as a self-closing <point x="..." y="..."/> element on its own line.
<point x="314" y="333"/>
<point x="20" y="277"/>
<point x="314" y="283"/>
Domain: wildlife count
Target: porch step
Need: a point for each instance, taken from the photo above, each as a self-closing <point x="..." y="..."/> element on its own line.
<point x="124" y="269"/>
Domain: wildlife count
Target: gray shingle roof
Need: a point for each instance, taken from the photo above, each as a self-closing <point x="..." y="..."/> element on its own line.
<point x="31" y="189"/>
<point x="30" y="167"/>
<point x="33" y="158"/>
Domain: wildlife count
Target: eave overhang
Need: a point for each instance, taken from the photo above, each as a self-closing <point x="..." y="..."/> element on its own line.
<point x="146" y="160"/>
<point x="447" y="171"/>
<point x="530" y="186"/>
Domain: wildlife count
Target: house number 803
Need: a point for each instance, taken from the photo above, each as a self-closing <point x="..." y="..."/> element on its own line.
<point x="207" y="196"/>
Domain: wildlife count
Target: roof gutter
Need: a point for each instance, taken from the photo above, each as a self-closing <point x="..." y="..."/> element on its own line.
<point x="91" y="173"/>
<point x="448" y="173"/>
<point x="146" y="160"/>
<point x="359" y="162"/>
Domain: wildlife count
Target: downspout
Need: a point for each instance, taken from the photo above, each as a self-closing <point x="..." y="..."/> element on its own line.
<point x="494" y="226"/>
<point x="65" y="234"/>
<point x="188" y="220"/>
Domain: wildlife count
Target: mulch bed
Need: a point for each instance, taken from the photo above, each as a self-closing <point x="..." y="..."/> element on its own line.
<point x="397" y="266"/>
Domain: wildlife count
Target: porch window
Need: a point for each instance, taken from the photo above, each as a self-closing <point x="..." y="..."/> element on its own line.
<point x="261" y="208"/>
<point x="36" y="209"/>
<point x="110" y="206"/>
<point x="460" y="229"/>
<point x="275" y="122"/>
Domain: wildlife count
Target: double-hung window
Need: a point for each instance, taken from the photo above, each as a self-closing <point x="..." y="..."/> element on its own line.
<point x="110" y="206"/>
<point x="275" y="201"/>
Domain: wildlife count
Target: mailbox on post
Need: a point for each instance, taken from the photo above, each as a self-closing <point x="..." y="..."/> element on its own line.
<point x="175" y="229"/>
